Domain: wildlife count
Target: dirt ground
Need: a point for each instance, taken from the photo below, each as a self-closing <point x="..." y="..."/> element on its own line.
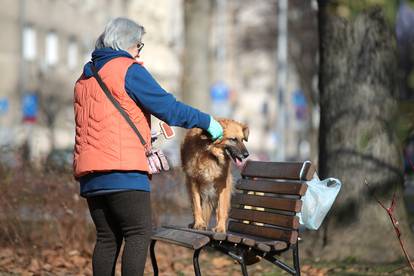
<point x="172" y="260"/>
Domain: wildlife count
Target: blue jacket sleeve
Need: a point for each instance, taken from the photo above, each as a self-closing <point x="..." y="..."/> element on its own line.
<point x="145" y="91"/>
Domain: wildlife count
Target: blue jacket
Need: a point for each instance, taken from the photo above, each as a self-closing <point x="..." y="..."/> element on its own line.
<point x="149" y="95"/>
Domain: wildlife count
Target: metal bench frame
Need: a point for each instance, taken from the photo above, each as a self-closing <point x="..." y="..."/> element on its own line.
<point x="236" y="251"/>
<point x="236" y="245"/>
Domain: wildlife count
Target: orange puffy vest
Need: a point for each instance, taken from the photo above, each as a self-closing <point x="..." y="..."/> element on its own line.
<point x="104" y="141"/>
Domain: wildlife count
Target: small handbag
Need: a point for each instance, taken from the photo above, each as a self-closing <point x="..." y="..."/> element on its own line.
<point x="157" y="161"/>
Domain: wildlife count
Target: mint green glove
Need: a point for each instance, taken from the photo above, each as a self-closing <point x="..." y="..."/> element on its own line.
<point x="215" y="129"/>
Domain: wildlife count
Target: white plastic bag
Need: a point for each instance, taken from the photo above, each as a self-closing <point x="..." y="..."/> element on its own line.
<point x="317" y="201"/>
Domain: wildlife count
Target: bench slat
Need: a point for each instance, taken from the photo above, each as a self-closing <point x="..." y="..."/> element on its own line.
<point x="247" y="240"/>
<point x="275" y="187"/>
<point x="182" y="238"/>
<point x="236" y="238"/>
<point x="279" y="170"/>
<point x="264" y="231"/>
<point x="262" y="243"/>
<point x="213" y="235"/>
<point x="233" y="238"/>
<point x="265" y="217"/>
<point x="284" y="204"/>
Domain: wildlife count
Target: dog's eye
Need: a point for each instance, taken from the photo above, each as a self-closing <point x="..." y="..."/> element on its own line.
<point x="233" y="139"/>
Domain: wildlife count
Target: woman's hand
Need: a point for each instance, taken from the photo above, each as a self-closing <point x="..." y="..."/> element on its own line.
<point x="215" y="129"/>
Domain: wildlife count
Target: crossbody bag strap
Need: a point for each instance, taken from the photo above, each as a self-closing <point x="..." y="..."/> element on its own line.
<point x="118" y="106"/>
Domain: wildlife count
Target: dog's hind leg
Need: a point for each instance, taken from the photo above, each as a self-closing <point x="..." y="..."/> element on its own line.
<point x="207" y="207"/>
<point x="194" y="192"/>
<point x="222" y="211"/>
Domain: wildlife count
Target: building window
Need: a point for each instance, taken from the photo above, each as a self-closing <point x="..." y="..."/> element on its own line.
<point x="52" y="48"/>
<point x="73" y="54"/>
<point x="29" y="43"/>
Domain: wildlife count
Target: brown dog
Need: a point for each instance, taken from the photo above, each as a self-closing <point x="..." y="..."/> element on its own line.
<point x="206" y="165"/>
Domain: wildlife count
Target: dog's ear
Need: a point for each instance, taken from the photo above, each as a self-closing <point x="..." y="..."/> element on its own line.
<point x="246" y="133"/>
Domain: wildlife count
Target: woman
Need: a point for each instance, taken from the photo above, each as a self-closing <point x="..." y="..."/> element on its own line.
<point x="109" y="159"/>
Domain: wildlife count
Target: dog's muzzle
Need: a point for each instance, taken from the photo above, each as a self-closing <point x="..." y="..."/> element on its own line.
<point x="236" y="155"/>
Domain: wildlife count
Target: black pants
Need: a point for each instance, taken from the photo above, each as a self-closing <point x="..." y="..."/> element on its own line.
<point x="117" y="217"/>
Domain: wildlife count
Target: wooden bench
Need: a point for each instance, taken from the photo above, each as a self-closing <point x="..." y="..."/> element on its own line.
<point x="262" y="220"/>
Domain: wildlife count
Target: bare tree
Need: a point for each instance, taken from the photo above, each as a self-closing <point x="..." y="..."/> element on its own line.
<point x="303" y="52"/>
<point x="54" y="97"/>
<point x="195" y="86"/>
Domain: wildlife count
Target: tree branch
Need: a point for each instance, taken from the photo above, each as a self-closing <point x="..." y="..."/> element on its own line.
<point x="394" y="221"/>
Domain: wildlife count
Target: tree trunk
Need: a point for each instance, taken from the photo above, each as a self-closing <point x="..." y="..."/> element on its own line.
<point x="357" y="142"/>
<point x="196" y="54"/>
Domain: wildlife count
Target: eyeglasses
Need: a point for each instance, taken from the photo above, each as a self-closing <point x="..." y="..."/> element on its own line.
<point x="140" y="45"/>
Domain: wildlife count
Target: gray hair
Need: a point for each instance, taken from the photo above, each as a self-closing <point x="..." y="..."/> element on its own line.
<point x="120" y="34"/>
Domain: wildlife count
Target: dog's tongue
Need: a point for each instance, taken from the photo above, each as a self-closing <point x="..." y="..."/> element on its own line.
<point x="239" y="163"/>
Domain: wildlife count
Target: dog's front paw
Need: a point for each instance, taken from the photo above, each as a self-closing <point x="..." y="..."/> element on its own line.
<point x="200" y="226"/>
<point x="219" y="229"/>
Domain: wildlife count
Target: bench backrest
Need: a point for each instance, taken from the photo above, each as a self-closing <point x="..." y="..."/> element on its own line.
<point x="268" y="198"/>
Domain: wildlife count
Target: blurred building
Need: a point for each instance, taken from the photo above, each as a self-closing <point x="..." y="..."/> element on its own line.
<point x="46" y="43"/>
<point x="44" y="46"/>
<point x="164" y="27"/>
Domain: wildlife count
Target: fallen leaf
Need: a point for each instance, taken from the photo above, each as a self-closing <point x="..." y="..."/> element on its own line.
<point x="47" y="267"/>
<point x="78" y="261"/>
<point x="73" y="253"/>
<point x="34" y="265"/>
